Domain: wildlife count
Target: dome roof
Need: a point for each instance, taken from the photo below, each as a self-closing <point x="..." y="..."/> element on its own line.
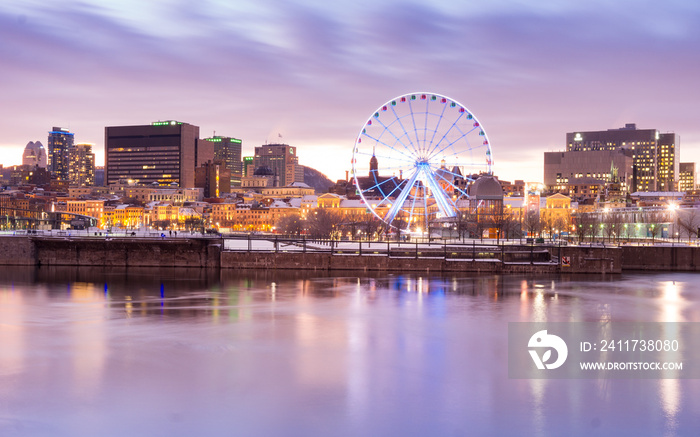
<point x="487" y="187"/>
<point x="34" y="154"/>
<point x="263" y="171"/>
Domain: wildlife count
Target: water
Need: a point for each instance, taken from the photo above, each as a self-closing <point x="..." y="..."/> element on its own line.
<point x="87" y="352"/>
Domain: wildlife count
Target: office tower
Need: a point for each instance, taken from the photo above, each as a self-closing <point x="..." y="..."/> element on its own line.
<point x="248" y="166"/>
<point x="229" y="150"/>
<point x="35" y="155"/>
<point x="81" y="166"/>
<point x="686" y="176"/>
<point x="163" y="153"/>
<point x="654" y="155"/>
<point x="282" y="160"/>
<point x="214" y="178"/>
<point x="668" y="162"/>
<point x="60" y="140"/>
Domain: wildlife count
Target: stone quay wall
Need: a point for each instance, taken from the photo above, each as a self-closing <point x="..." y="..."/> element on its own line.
<point x="208" y="253"/>
<point x="117" y="252"/>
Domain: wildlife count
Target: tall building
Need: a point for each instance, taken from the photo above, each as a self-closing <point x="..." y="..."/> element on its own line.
<point x="667" y="162"/>
<point x="163" y="152"/>
<point x="248" y="166"/>
<point x="282" y="160"/>
<point x="214" y="178"/>
<point x="654" y="155"/>
<point x="81" y="166"/>
<point x="60" y="140"/>
<point x="687" y="176"/>
<point x="229" y="151"/>
<point x="35" y="155"/>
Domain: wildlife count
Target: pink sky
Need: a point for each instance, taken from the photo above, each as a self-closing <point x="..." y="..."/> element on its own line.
<point x="313" y="74"/>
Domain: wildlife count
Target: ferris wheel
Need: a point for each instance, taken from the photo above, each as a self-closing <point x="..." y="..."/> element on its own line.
<point x="415" y="157"/>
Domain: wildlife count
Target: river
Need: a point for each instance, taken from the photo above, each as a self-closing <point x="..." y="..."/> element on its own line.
<point x="179" y="352"/>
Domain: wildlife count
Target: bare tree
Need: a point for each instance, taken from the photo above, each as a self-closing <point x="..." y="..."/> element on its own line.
<point x="586" y="225"/>
<point x="501" y="218"/>
<point x="533" y="224"/>
<point x="593" y="226"/>
<point x="371" y="225"/>
<point x="194" y="222"/>
<point x="612" y="225"/>
<point x="232" y="223"/>
<point x="548" y="223"/>
<point x="397" y="225"/>
<point x="562" y="223"/>
<point x="511" y="227"/>
<point x="290" y="224"/>
<point x="323" y="223"/>
<point x="465" y="222"/>
<point x="688" y="222"/>
<point x="654" y="219"/>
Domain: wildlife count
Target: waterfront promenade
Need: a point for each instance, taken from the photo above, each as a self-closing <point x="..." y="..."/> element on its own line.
<point x="262" y="251"/>
<point x="165" y="249"/>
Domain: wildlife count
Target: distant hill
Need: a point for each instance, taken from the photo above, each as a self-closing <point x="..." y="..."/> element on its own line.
<point x="317" y="180"/>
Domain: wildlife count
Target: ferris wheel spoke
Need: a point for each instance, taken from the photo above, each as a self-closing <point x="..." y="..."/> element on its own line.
<point x="387" y="129"/>
<point x="434" y="153"/>
<point x="401" y="198"/>
<point x="462" y="152"/>
<point x="458" y="162"/>
<point x="395" y="168"/>
<point x="425" y="126"/>
<point x="470" y="148"/>
<point x="377" y="185"/>
<point x="378" y="141"/>
<point x="389" y="158"/>
<point x="454" y="124"/>
<point x="403" y="128"/>
<point x="452" y="183"/>
<point x="441" y="198"/>
<point x="445" y="170"/>
<point x="437" y="126"/>
<point x="415" y="128"/>
<point x="397" y="187"/>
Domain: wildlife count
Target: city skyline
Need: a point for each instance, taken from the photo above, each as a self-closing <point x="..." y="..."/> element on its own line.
<point x="314" y="74"/>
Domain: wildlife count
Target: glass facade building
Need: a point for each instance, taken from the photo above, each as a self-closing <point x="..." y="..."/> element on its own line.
<point x="60" y="141"/>
<point x="164" y="152"/>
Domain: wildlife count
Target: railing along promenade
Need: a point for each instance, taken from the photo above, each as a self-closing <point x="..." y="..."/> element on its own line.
<point x="472" y="250"/>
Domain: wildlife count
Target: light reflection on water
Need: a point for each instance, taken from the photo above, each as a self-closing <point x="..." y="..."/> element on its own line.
<point x="196" y="352"/>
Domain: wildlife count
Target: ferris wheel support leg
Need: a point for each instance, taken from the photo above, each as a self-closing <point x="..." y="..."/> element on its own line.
<point x="398" y="203"/>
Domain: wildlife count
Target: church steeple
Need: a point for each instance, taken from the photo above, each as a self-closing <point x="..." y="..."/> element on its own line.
<point x="373" y="165"/>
